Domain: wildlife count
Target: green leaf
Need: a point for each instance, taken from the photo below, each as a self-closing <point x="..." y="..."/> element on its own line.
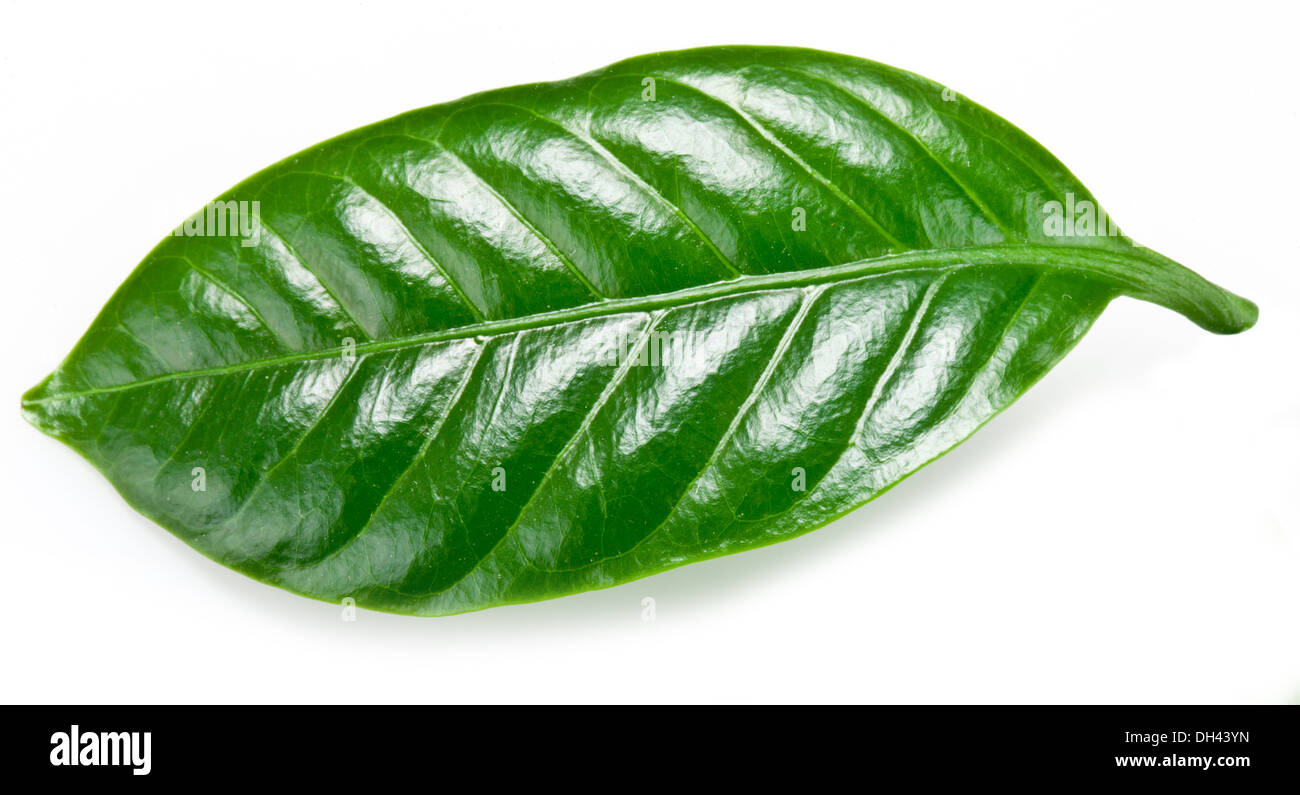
<point x="561" y="336"/>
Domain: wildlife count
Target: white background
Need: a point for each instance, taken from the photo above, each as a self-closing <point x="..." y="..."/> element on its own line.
<point x="1128" y="532"/>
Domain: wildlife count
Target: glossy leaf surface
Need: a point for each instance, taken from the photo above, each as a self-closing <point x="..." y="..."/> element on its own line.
<point x="560" y="336"/>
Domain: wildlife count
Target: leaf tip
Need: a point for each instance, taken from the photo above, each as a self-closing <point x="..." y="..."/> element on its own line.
<point x="32" y="405"/>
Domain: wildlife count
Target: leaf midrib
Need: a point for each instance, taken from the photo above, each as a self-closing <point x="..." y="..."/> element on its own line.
<point x="1114" y="265"/>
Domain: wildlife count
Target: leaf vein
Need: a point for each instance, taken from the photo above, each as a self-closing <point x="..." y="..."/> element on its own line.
<point x="929" y="153"/>
<point x="519" y="215"/>
<point x="293" y="252"/>
<point x="641" y="182"/>
<point x="433" y="434"/>
<point x="771" y="139"/>
<point x="778" y="354"/>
